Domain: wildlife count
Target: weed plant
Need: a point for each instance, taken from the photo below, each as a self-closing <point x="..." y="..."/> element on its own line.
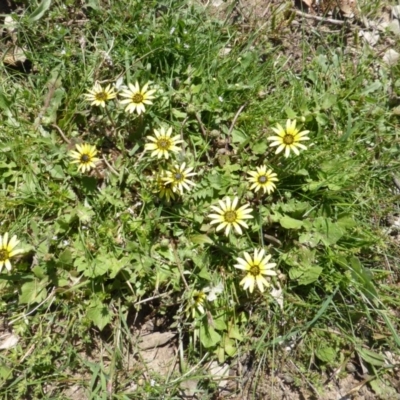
<point x="139" y="171"/>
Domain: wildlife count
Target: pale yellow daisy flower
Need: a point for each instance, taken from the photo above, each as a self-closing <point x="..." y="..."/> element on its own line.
<point x="165" y="189"/>
<point x="196" y="303"/>
<point x="99" y="95"/>
<point x="163" y="143"/>
<point x="262" y="179"/>
<point x="178" y="176"/>
<point x="8" y="250"/>
<point x="288" y="139"/>
<point x="84" y="156"/>
<point x="136" y="98"/>
<point x="229" y="216"/>
<point x="256" y="267"/>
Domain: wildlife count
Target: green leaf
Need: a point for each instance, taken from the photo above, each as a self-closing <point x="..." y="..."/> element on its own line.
<point x="5" y="372"/>
<point x="39" y="12"/>
<point x="33" y="292"/>
<point x="178" y="114"/>
<point x="346" y="222"/>
<point x="99" y="314"/>
<point x="57" y="172"/>
<point x="4" y="102"/>
<point x="219" y="323"/>
<point x="259" y="147"/>
<point x="329" y="231"/>
<point x="383" y="389"/>
<point x="234" y="333"/>
<point x="201" y="239"/>
<point x="310" y="275"/>
<point x="229" y="347"/>
<point x="204" y="274"/>
<point x="295" y="273"/>
<point x="84" y="213"/>
<point x="371" y="88"/>
<point x="55" y="102"/>
<point x="371" y="357"/>
<point x="238" y="136"/>
<point x="326" y="354"/>
<point x="290" y="223"/>
<point x="65" y="258"/>
<point x="363" y="276"/>
<point x="290" y="113"/>
<point x="208" y="336"/>
<point x="328" y="101"/>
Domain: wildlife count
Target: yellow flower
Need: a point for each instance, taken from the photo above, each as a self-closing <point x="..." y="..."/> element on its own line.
<point x="228" y="216"/>
<point x="84" y="156"/>
<point x="163" y="143"/>
<point x="256" y="267"/>
<point x="178" y="178"/>
<point x="8" y="250"/>
<point x="196" y="303"/>
<point x="99" y="95"/>
<point x="289" y="138"/>
<point x="165" y="189"/>
<point x="136" y="98"/>
<point x="263" y="179"/>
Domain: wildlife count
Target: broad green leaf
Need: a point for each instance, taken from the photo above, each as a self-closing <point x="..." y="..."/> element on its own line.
<point x="178" y="114"/>
<point x="329" y="232"/>
<point x="116" y="265"/>
<point x="33" y="292"/>
<point x="346" y="222"/>
<point x="328" y="101"/>
<point x="295" y="273"/>
<point x="39" y="12"/>
<point x="39" y="272"/>
<point x="290" y="223"/>
<point x="290" y="113"/>
<point x="259" y="147"/>
<point x="383" y="389"/>
<point x="234" y="333"/>
<point x="65" y="258"/>
<point x="219" y="323"/>
<point x="326" y="354"/>
<point x="373" y="87"/>
<point x="204" y="273"/>
<point x="208" y="336"/>
<point x="201" y="239"/>
<point x="310" y="275"/>
<point x="57" y="172"/>
<point x="229" y="347"/>
<point x="99" y="314"/>
<point x="5" y="372"/>
<point x="238" y="136"/>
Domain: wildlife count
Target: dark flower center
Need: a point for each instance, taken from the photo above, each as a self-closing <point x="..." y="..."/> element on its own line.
<point x="288" y="139"/>
<point x="163" y="144"/>
<point x="262" y="179"/>
<point x="230" y="216"/>
<point x="85" y="158"/>
<point x="137" y="98"/>
<point x="255" y="270"/>
<point x="4" y="255"/>
<point x="178" y="176"/>
<point x="167" y="186"/>
<point x="102" y="96"/>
